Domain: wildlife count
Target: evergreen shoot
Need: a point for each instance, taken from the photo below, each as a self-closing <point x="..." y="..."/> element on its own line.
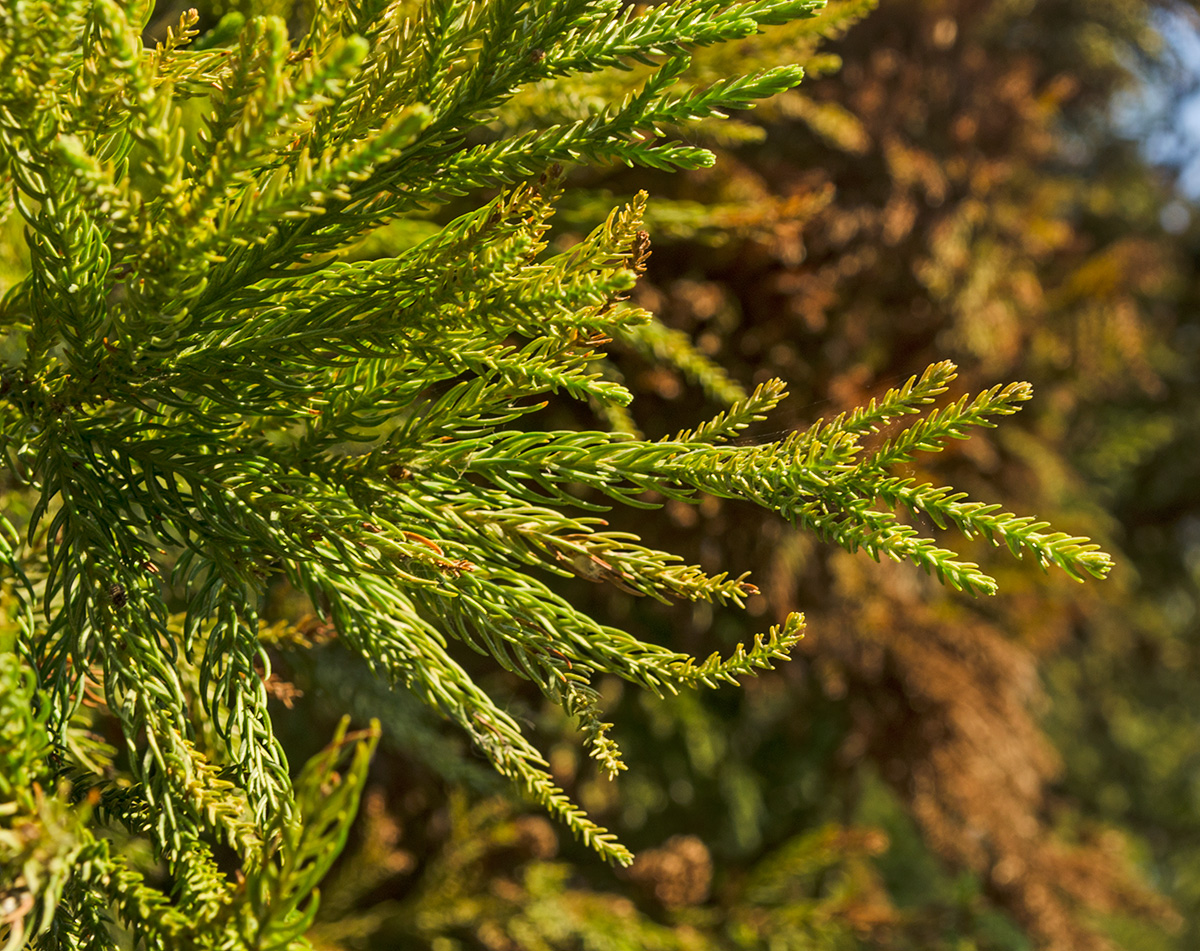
<point x="213" y="381"/>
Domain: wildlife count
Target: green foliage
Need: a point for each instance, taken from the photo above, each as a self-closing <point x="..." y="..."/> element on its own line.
<point x="210" y="388"/>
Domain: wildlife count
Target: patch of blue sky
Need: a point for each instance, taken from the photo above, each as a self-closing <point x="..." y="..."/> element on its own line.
<point x="1162" y="108"/>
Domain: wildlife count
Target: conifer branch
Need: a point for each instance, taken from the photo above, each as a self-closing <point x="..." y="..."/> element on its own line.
<point x="777" y="645"/>
<point x="216" y="388"/>
<point x="730" y="423"/>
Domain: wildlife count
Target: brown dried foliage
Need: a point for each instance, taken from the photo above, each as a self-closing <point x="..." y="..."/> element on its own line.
<point x="946" y="704"/>
<point x="678" y="873"/>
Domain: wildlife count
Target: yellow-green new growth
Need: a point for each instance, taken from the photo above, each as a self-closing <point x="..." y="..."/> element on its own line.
<point x="213" y="383"/>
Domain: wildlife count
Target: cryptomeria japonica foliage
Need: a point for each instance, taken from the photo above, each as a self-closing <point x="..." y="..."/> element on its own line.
<point x="211" y="380"/>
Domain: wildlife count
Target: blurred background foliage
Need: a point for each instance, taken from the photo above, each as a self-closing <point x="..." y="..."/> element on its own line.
<point x="931" y="771"/>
